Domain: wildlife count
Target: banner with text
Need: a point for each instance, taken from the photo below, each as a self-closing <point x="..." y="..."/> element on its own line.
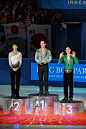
<point x="56" y="72"/>
<point x="62" y="4"/>
<point x="2" y="42"/>
<point x="13" y="30"/>
<point x="34" y="34"/>
<point x="2" y="45"/>
<point x="21" y="41"/>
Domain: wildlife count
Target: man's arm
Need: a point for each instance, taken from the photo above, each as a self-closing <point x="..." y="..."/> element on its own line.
<point x="76" y="60"/>
<point x="74" y="57"/>
<point x="20" y="60"/>
<point x="60" y="60"/>
<point x="9" y="57"/>
<point x="37" y="57"/>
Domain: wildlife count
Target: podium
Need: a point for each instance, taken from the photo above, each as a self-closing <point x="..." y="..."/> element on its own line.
<point x="71" y="109"/>
<point x="43" y="105"/>
<point x="15" y="106"/>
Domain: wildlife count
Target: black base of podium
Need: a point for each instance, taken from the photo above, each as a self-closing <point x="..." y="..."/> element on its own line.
<point x="42" y="95"/>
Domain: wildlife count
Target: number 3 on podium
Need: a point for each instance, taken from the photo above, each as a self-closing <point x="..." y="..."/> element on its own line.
<point x="69" y="109"/>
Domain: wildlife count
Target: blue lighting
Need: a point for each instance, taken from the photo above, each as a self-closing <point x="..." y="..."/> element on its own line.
<point x="42" y="127"/>
<point x="29" y="107"/>
<point x="69" y="126"/>
<point x="57" y="109"/>
<point x="16" y="126"/>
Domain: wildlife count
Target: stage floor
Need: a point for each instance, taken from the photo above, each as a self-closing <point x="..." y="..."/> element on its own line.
<point x="41" y="127"/>
<point x="79" y="94"/>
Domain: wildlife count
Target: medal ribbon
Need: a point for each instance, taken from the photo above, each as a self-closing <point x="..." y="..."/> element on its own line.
<point x="68" y="62"/>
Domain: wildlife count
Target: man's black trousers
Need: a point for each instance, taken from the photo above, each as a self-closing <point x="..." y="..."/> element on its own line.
<point x="43" y="70"/>
<point x="13" y="74"/>
<point x="68" y="79"/>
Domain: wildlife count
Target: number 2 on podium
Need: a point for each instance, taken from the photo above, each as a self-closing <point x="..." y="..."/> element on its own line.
<point x="17" y="105"/>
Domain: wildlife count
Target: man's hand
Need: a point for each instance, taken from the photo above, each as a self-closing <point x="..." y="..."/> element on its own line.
<point x="44" y="62"/>
<point x="15" y="69"/>
<point x="61" y="54"/>
<point x="73" y="53"/>
<point x="41" y="63"/>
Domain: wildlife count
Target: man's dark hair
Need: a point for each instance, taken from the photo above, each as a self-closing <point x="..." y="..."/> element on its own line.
<point x="15" y="43"/>
<point x="42" y="40"/>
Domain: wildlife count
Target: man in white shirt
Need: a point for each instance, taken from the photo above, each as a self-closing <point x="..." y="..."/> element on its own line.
<point x="15" y="61"/>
